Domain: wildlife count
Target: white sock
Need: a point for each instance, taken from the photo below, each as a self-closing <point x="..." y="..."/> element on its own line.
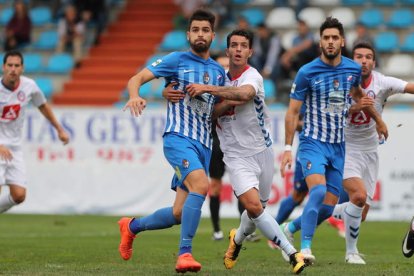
<point x="271" y="230"/>
<point x="246" y="228"/>
<point x="352" y="219"/>
<point x="339" y="209"/>
<point x="6" y="202"/>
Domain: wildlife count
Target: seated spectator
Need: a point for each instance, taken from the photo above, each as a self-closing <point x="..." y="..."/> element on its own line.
<point x="93" y="11"/>
<point x="267" y="49"/>
<point x="304" y="50"/>
<point x="19" y="28"/>
<point x="187" y="7"/>
<point x="71" y="30"/>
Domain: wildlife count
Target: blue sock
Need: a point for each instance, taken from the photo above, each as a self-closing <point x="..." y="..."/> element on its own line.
<point x="160" y="219"/>
<point x="190" y="219"/>
<point x="310" y="214"/>
<point x="325" y="212"/>
<point x="286" y="207"/>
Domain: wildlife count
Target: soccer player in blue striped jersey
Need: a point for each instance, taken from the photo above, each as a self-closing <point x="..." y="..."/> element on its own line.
<point x="187" y="138"/>
<point x="326" y="86"/>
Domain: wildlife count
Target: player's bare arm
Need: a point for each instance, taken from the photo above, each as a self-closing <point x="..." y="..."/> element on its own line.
<point x="50" y="116"/>
<point x="136" y="104"/>
<point x="358" y="94"/>
<point x="5" y="153"/>
<point x="409" y="88"/>
<point x="291" y="122"/>
<point x="240" y="93"/>
<point x="171" y="94"/>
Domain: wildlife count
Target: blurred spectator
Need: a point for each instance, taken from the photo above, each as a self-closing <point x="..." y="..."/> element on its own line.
<point x="71" y="31"/>
<point x="300" y="5"/>
<point x="222" y="11"/>
<point x="95" y="12"/>
<point x="362" y="34"/>
<point x="19" y="28"/>
<point x="243" y="23"/>
<point x="267" y="49"/>
<point x="304" y="50"/>
<point x="187" y="7"/>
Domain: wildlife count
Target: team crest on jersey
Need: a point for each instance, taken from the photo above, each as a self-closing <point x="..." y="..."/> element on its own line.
<point x="371" y="94"/>
<point x="206" y="78"/>
<point x="336" y="84"/>
<point x="11" y="112"/>
<point x="308" y="165"/>
<point x="186" y="164"/>
<point x="293" y="88"/>
<point x="21" y="96"/>
<point x="155" y="63"/>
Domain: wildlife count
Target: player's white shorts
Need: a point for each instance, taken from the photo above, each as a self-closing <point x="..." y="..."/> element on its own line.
<point x="14" y="171"/>
<point x="252" y="172"/>
<point x="363" y="165"/>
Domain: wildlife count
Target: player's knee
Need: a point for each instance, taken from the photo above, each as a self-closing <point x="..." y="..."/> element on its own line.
<point x="298" y="197"/>
<point x="19" y="198"/>
<point x="359" y="199"/>
<point x="254" y="209"/>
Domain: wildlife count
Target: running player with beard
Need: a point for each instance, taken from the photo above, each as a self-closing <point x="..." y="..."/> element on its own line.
<point x="325" y="86"/>
<point x="187" y="138"/>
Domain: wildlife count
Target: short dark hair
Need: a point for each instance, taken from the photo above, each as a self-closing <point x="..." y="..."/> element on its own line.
<point x="332" y="22"/>
<point x="12" y="53"/>
<point x="363" y="44"/>
<point x="202" y="15"/>
<point x="246" y="33"/>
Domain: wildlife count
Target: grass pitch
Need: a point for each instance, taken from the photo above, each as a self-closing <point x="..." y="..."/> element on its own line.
<point x="87" y="245"/>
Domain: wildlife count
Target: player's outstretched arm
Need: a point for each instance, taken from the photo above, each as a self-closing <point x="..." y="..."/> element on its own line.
<point x="291" y="122"/>
<point x="136" y="104"/>
<point x="46" y="110"/>
<point x="241" y="93"/>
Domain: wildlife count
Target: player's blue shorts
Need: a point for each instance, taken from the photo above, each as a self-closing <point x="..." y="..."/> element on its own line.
<point x="327" y="159"/>
<point x="185" y="155"/>
<point x="299" y="183"/>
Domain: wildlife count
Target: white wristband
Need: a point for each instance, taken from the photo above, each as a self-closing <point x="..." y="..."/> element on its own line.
<point x="288" y="147"/>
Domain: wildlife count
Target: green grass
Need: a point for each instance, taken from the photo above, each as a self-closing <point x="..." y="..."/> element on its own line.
<point x="87" y="245"/>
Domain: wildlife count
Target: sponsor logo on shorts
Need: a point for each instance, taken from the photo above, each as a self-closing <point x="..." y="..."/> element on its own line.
<point x="178" y="172"/>
<point x="308" y="165"/>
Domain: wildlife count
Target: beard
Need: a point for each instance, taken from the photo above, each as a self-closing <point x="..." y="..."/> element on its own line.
<point x="200" y="48"/>
<point x="330" y="56"/>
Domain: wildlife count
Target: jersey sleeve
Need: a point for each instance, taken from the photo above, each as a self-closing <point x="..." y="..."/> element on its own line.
<point x="254" y="79"/>
<point x="393" y="86"/>
<point x="38" y="98"/>
<point x="357" y="78"/>
<point x="165" y="66"/>
<point x="300" y="86"/>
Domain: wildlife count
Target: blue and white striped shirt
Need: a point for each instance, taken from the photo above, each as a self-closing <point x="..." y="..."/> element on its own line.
<point x="325" y="91"/>
<point x="190" y="117"/>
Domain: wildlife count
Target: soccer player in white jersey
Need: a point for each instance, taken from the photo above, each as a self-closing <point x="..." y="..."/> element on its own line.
<point x="325" y="86"/>
<point x="16" y="93"/>
<point x="361" y="140"/>
<point x="187" y="138"/>
<point x="243" y="127"/>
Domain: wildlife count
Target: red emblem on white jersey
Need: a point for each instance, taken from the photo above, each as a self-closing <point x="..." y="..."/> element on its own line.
<point x="11" y="112"/>
<point x="21" y="96"/>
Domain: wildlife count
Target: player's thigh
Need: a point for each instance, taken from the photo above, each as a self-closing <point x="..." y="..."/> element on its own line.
<point x="187" y="156"/>
<point x="371" y="175"/>
<point x="243" y="173"/>
<point x="312" y="158"/>
<point x="15" y="171"/>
